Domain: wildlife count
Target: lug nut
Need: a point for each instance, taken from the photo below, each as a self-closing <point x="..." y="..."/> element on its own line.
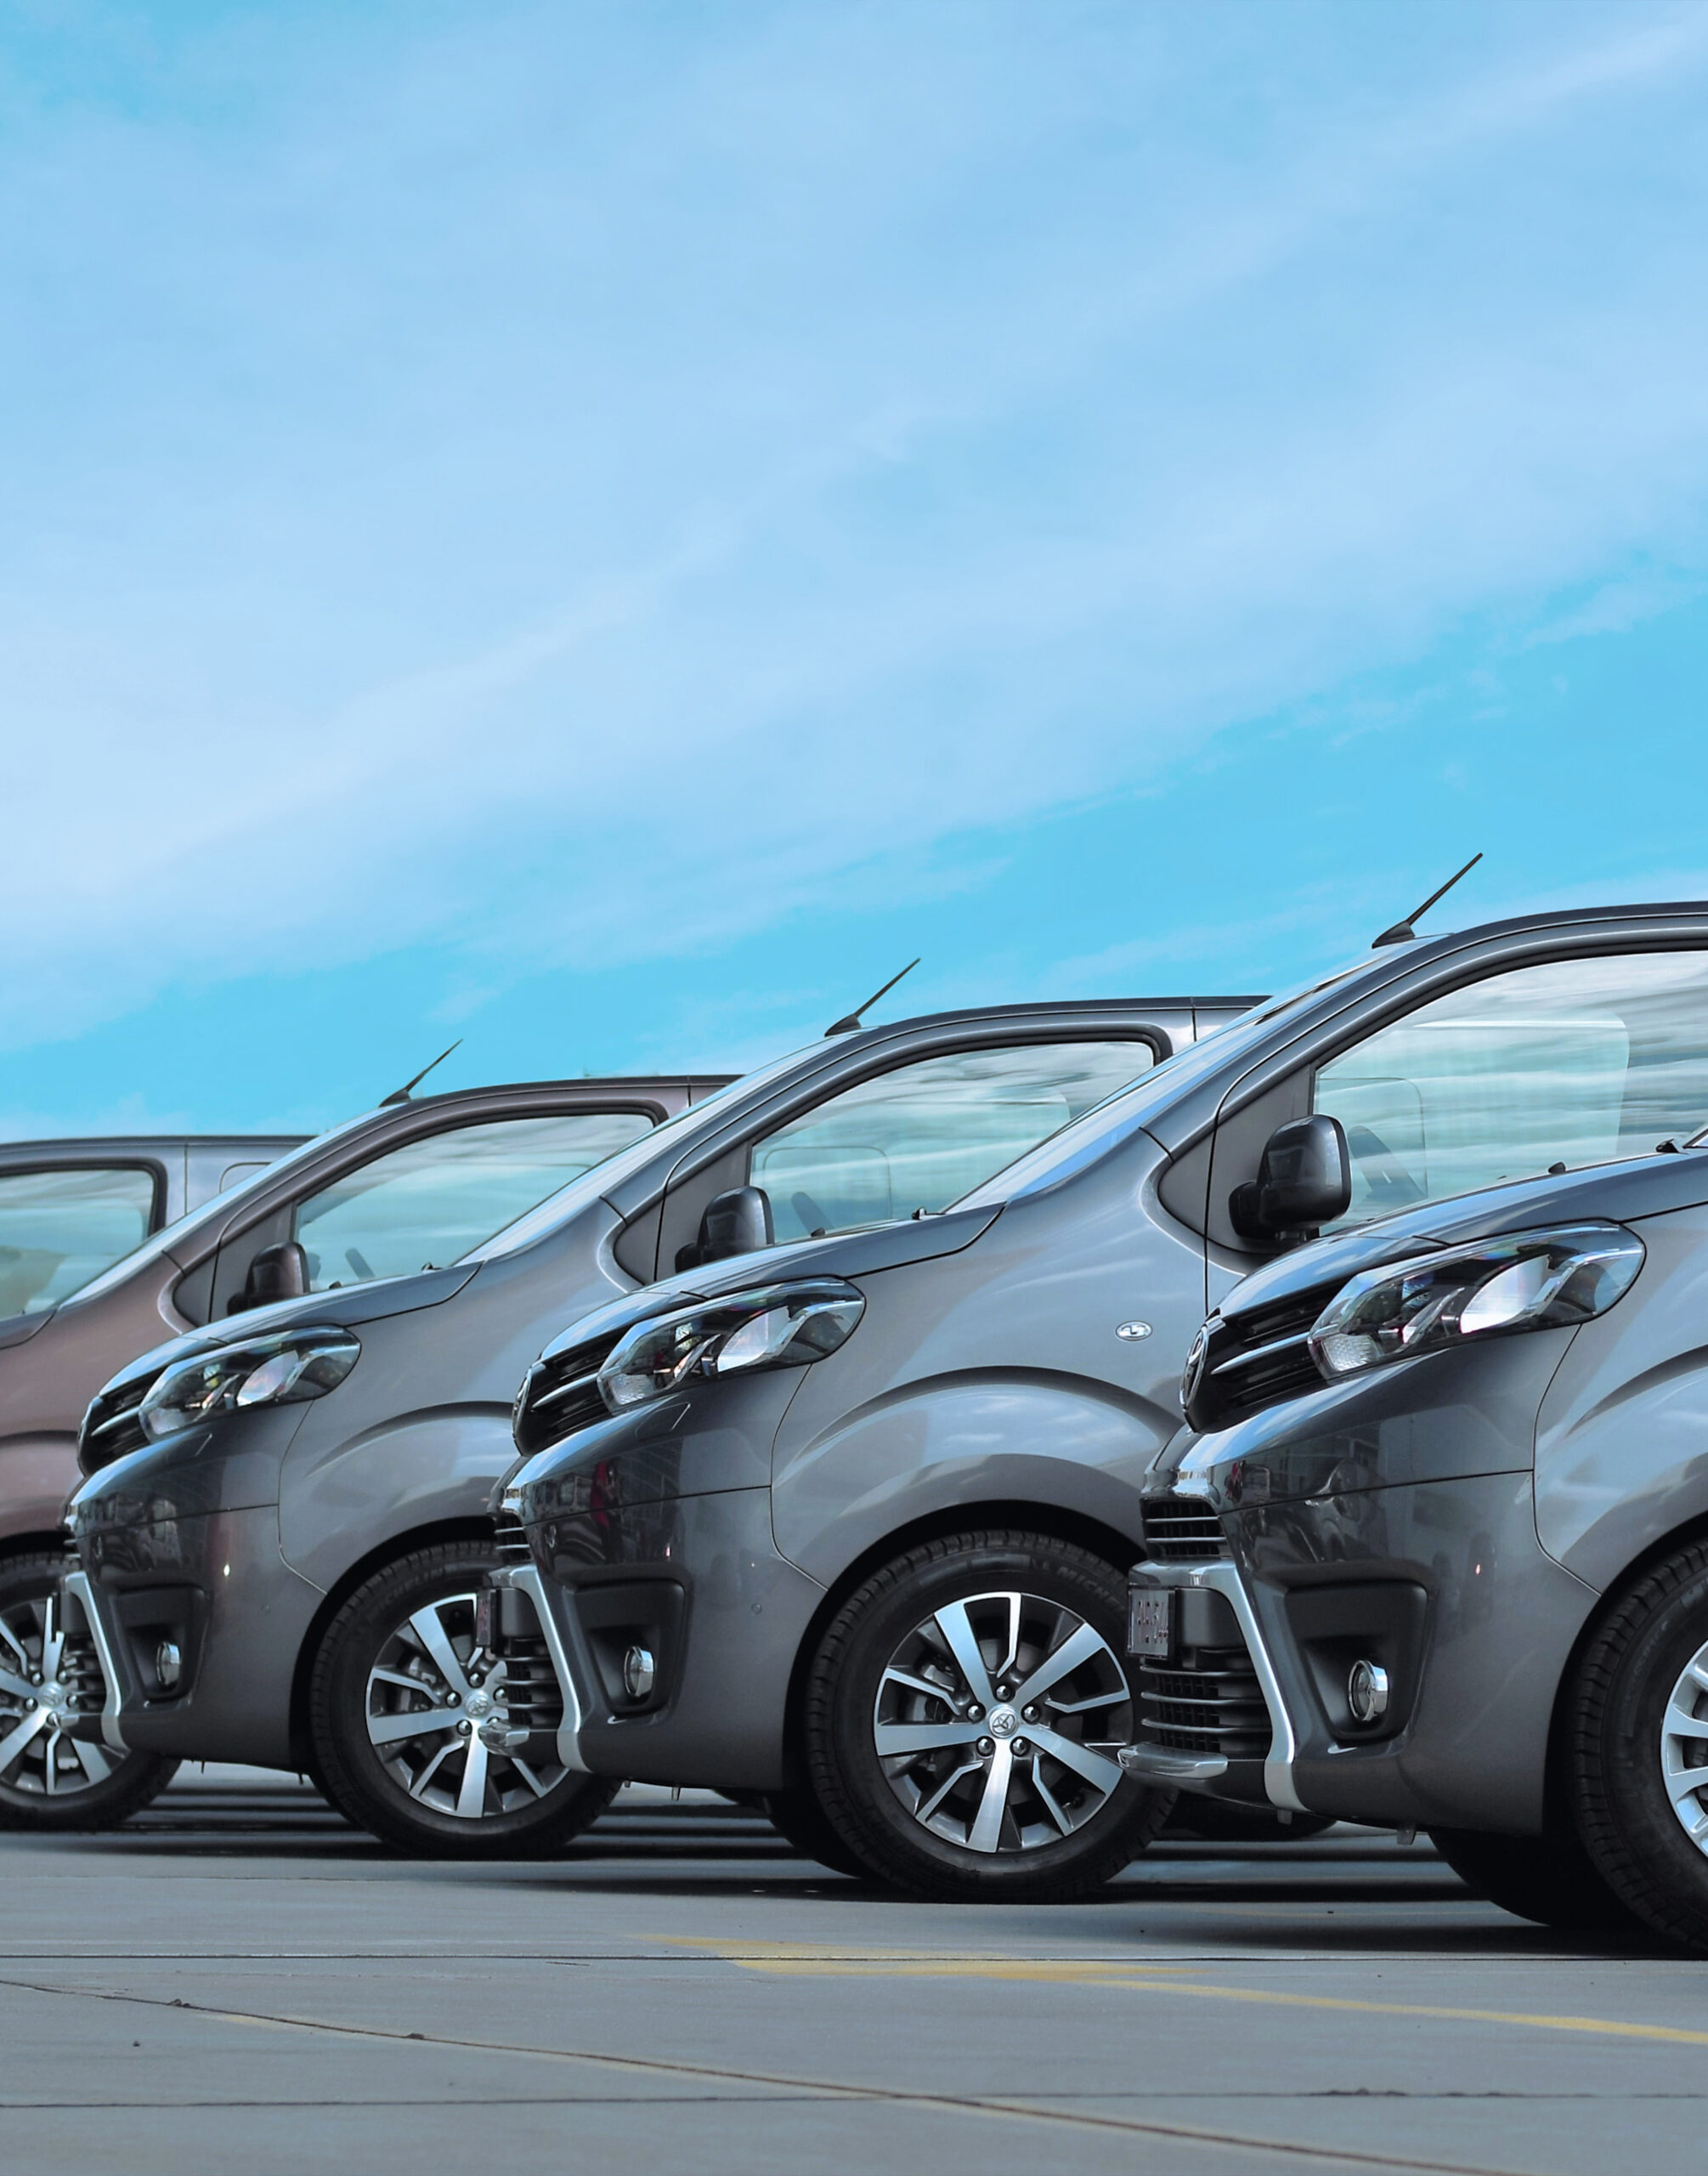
<point x="465" y="1727"/>
<point x="1029" y="1714"/>
<point x="975" y="1713"/>
<point x="453" y="1700"/>
<point x="986" y="1746"/>
<point x="1021" y="1749"/>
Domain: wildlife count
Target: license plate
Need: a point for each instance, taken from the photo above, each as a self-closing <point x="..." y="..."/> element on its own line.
<point x="1151" y="1622"/>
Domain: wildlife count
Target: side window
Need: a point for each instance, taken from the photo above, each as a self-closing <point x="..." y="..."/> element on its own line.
<point x="1577" y="1062"/>
<point x="427" y="1203"/>
<point x="922" y="1136"/>
<point x="59" y="1229"/>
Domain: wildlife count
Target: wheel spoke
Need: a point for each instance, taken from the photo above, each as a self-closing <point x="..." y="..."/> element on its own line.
<point x="17" y="1688"/>
<point x="1011" y="1657"/>
<point x="420" y="1783"/>
<point x="1079" y="1648"/>
<point x="528" y="1778"/>
<point x="428" y="1628"/>
<point x="1096" y="1768"/>
<point x="50" y="1764"/>
<point x="1680" y="1781"/>
<point x="91" y="1760"/>
<point x="927" y="1807"/>
<point x="956" y="1629"/>
<point x="891" y="1738"/>
<point x="1045" y="1792"/>
<point x="379" y="1675"/>
<point x="15" y="1740"/>
<point x="986" y="1833"/>
<point x="390" y="1730"/>
<point x="913" y="1683"/>
<point x="1680" y="1723"/>
<point x="15" y="1645"/>
<point x="471" y="1798"/>
<point x="52" y="1639"/>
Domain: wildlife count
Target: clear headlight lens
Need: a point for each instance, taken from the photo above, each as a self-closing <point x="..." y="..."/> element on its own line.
<point x="774" y="1326"/>
<point x="1530" y="1280"/>
<point x="281" y="1370"/>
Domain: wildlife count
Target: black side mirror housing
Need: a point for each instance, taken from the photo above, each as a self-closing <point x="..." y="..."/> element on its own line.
<point x="277" y="1272"/>
<point x="1303" y="1182"/>
<point x="737" y="1223"/>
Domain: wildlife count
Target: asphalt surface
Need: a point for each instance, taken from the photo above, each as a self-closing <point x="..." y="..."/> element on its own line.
<point x="239" y="1982"/>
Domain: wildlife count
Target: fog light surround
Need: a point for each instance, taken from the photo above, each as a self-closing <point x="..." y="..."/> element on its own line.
<point x="640" y="1673"/>
<point x="1367" y="1692"/>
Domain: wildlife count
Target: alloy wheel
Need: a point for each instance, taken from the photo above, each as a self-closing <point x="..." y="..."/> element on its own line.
<point x="1684" y="1748"/>
<point x="432" y="1692"/>
<point x="36" y="1758"/>
<point x="997" y="1720"/>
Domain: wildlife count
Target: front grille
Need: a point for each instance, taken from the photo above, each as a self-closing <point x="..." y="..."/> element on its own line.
<point x="562" y="1394"/>
<point x="1182" y="1530"/>
<point x="1259" y="1359"/>
<point x="1209" y="1701"/>
<point x="111" y="1426"/>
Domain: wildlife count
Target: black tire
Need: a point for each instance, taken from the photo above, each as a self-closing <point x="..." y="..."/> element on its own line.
<point x="1220" y="1821"/>
<point x="1039" y="1589"/>
<point x="1619" y="1757"/>
<point x="799" y="1819"/>
<point x="1548" y="1879"/>
<point x="389" y="1794"/>
<point x="53" y="1782"/>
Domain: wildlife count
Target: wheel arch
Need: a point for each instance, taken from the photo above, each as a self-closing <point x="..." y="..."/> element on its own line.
<point x="1681" y="1535"/>
<point x="356" y="1574"/>
<point x="1057" y="1521"/>
<point x="32" y="1544"/>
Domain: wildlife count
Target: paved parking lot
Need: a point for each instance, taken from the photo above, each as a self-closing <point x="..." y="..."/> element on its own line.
<point x="239" y="1982"/>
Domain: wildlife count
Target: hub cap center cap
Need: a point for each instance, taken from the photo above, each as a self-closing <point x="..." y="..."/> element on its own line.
<point x="1004" y="1722"/>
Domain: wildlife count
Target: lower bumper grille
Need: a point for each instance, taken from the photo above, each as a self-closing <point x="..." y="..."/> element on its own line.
<point x="1183" y="1530"/>
<point x="1209" y="1701"/>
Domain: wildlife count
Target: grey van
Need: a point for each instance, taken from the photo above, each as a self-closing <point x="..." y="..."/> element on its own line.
<point x="282" y="1565"/>
<point x="418" y="1178"/>
<point x="848" y="1523"/>
<point x="1437" y="1556"/>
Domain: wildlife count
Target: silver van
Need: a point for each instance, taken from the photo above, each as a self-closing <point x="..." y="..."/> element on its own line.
<point x="417" y="1179"/>
<point x="848" y="1523"/>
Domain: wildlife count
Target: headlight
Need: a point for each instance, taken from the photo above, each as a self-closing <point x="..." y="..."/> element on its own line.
<point x="282" y="1370"/>
<point x="1532" y="1280"/>
<point x="774" y="1326"/>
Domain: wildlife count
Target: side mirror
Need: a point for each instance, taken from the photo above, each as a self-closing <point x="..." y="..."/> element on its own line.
<point x="277" y="1272"/>
<point x="737" y="1223"/>
<point x="1303" y="1182"/>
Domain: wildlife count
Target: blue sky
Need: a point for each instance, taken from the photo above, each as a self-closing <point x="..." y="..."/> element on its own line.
<point x="604" y="529"/>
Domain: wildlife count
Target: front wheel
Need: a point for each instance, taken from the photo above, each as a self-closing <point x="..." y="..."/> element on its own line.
<point x="49" y="1781"/>
<point x="1548" y="1879"/>
<point x="962" y="1719"/>
<point x="1639" y="1766"/>
<point x="398" y="1696"/>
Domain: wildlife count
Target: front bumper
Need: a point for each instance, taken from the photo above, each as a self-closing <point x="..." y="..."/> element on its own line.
<point x="215" y="1587"/>
<point x="1442" y="1584"/>
<point x="625" y="1565"/>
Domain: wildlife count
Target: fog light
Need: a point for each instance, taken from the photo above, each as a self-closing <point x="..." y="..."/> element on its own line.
<point x="168" y="1665"/>
<point x="1367" y="1692"/>
<point x="638" y="1673"/>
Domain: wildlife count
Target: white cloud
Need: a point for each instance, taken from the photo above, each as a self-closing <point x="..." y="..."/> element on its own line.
<point x="584" y="493"/>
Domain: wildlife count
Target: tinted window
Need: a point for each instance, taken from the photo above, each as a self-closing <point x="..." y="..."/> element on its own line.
<point x="1579" y="1062"/>
<point x="58" y="1229"/>
<point x="922" y="1136"/>
<point x="428" y="1203"/>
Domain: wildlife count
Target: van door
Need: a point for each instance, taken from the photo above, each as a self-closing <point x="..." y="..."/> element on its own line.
<point x="60" y="1226"/>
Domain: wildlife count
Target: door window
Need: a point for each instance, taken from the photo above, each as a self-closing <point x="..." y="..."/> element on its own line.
<point x="58" y="1229"/>
<point x="427" y="1203"/>
<point x="1577" y="1062"/>
<point x="922" y="1136"/>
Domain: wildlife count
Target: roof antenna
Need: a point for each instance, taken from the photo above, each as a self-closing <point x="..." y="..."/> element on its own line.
<point x="1402" y="932"/>
<point x="852" y="1020"/>
<point x="402" y="1095"/>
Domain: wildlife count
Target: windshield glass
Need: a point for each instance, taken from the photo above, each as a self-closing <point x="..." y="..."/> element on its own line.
<point x="210" y="1213"/>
